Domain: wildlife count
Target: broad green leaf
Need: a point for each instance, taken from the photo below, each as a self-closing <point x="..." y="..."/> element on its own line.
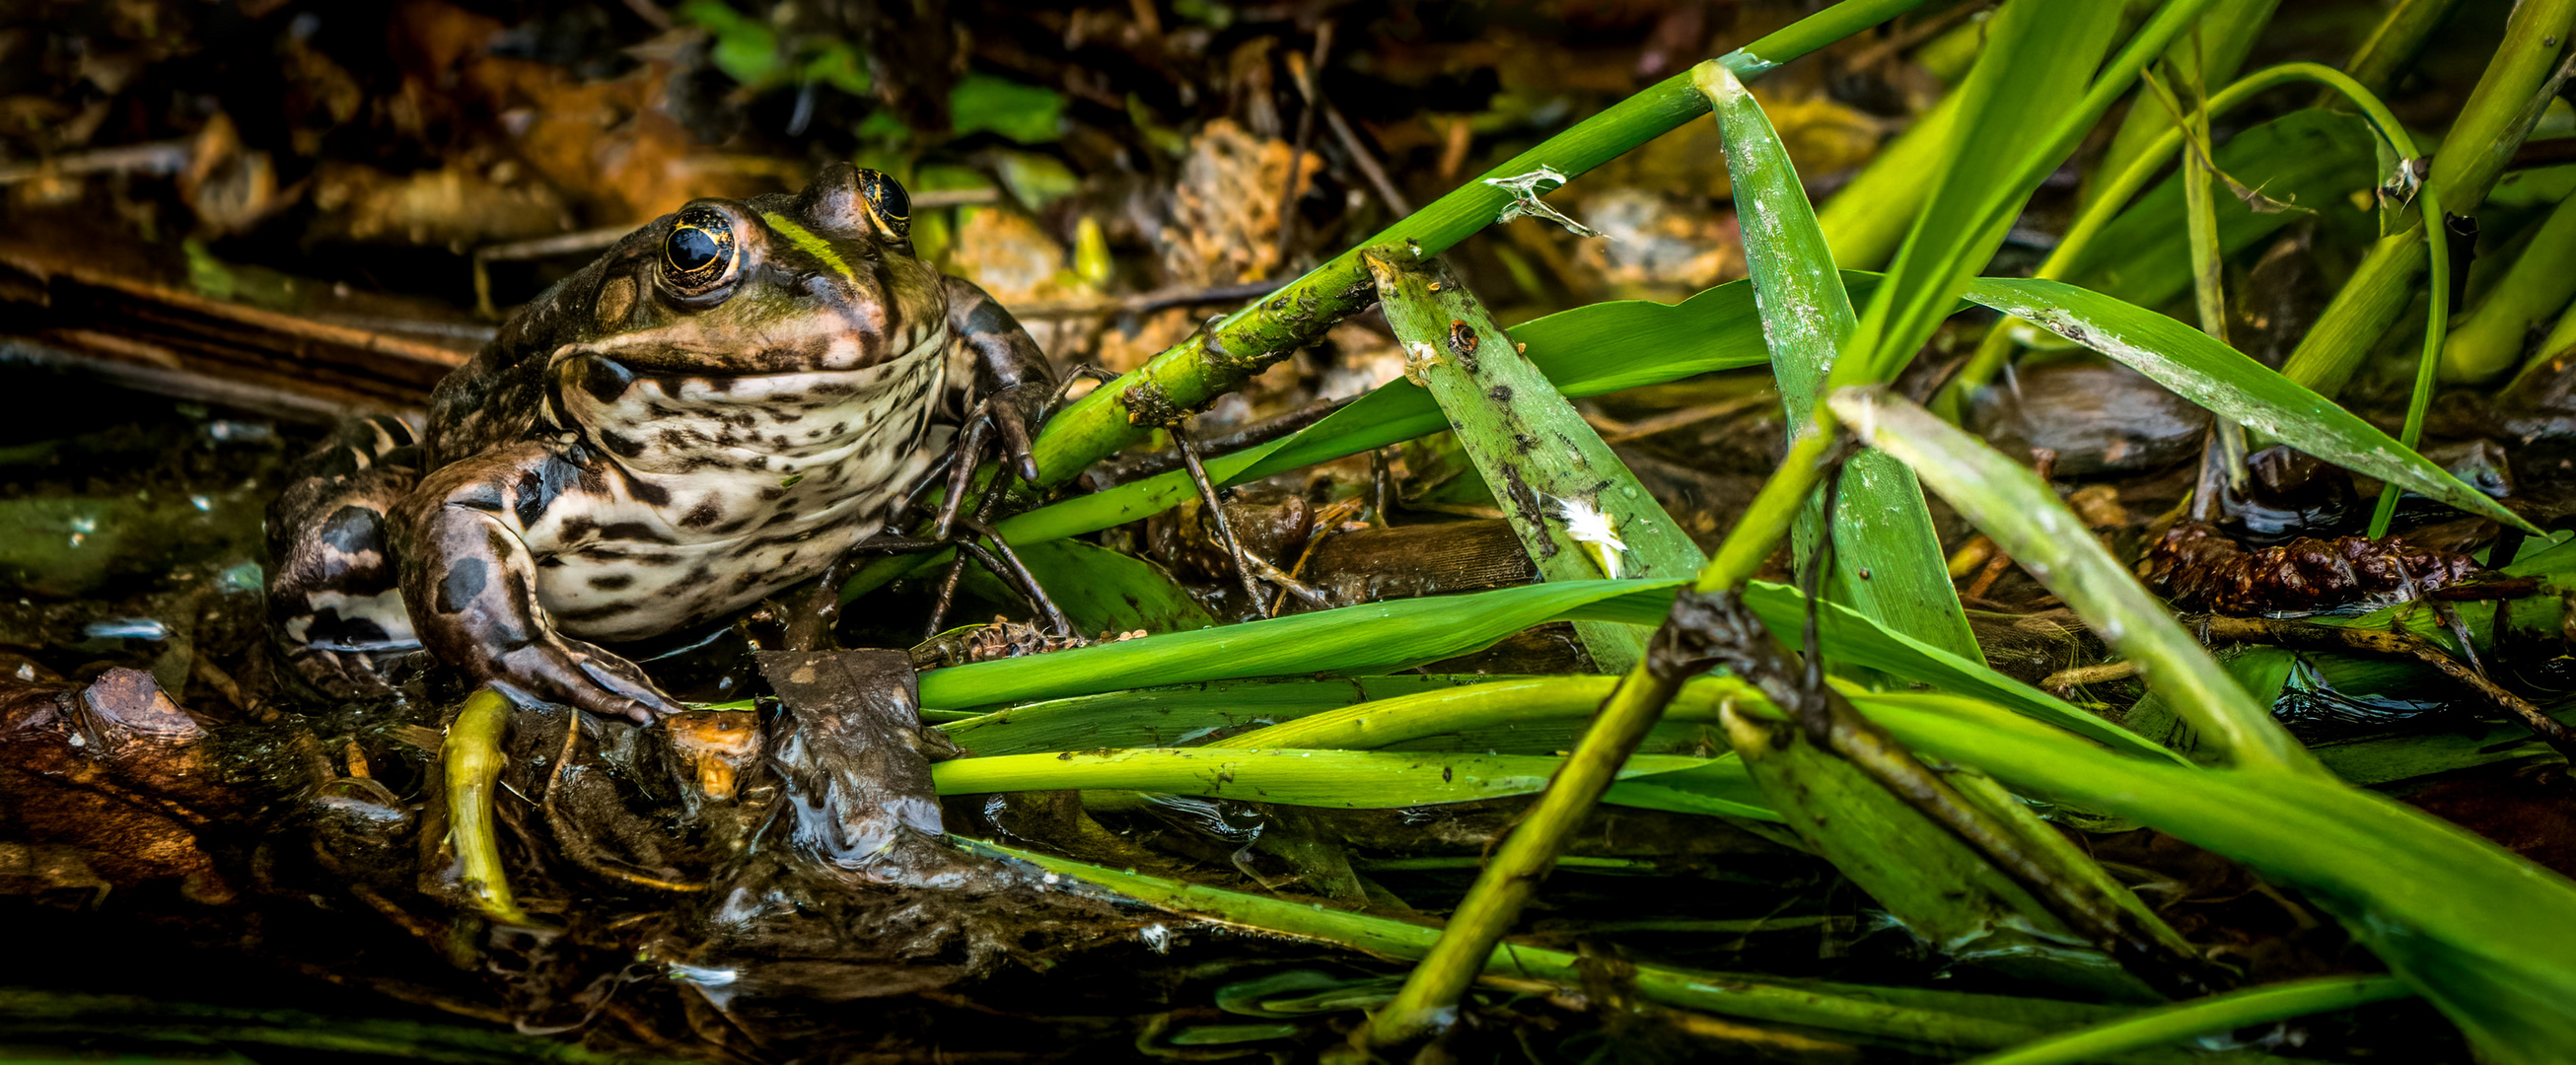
<point x="1024" y="113"/>
<point x="1578" y="511"/>
<point x="2028" y="521"/>
<point x="1945" y="892"/>
<point x="2488" y="936"/>
<point x="2229" y="383"/>
<point x="1881" y="526"/>
<point x="1587" y="351"/>
<point x="1103" y="591"/>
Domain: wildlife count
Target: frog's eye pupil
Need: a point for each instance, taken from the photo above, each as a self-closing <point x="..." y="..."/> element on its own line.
<point x="692" y="249"/>
<point x="699" y="253"/>
<point x="888" y="202"/>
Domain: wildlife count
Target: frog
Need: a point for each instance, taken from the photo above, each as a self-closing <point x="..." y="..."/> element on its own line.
<point x="726" y="402"/>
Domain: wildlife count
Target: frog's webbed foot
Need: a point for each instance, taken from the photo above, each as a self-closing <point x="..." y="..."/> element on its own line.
<point x="470" y="581"/>
<point x="340" y="674"/>
<point x="559" y="669"/>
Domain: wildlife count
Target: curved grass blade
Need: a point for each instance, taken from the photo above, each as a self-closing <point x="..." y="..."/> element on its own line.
<point x="2028" y="521"/>
<point x="2215" y="1015"/>
<point x="2229" y="383"/>
<point x="1853" y="1010"/>
<point x="2485" y="934"/>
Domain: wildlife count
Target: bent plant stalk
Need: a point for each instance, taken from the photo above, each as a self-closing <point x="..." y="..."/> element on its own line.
<point x="470" y="763"/>
<point x="1228" y="352"/>
<point x="1428" y="1000"/>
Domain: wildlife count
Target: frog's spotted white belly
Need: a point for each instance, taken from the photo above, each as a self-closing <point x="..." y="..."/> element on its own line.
<point x="762" y="481"/>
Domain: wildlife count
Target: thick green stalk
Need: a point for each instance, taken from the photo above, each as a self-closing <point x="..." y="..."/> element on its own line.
<point x="1227" y="353"/>
<point x="2489" y="341"/>
<point x="2215" y="1015"/>
<point x="1428" y="1002"/>
<point x="2490" y="128"/>
<point x="2392" y="47"/>
<point x="470" y="764"/>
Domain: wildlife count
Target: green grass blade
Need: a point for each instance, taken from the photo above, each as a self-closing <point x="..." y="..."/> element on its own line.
<point x="2312" y="158"/>
<point x="1843" y="1008"/>
<point x="2231" y="384"/>
<point x="2488" y="936"/>
<point x="2215" y="1015"/>
<point x="1881" y="524"/>
<point x="2028" y="521"/>
<point x="1579" y="512"/>
<point x="1947" y="894"/>
<point x="1371" y="638"/>
<point x="1346" y="780"/>
<point x="2038" y="56"/>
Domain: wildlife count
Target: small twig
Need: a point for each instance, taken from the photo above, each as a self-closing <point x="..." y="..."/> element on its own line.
<point x="1361" y="157"/>
<point x="2066" y="680"/>
<point x="2388" y="643"/>
<point x="1216" y="513"/>
<point x="1687" y="416"/>
<point x="1305" y="138"/>
<point x="1176" y="296"/>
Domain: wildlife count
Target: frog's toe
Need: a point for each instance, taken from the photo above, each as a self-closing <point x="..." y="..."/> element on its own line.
<point x="1017" y="412"/>
<point x="340" y="674"/>
<point x="577" y="674"/>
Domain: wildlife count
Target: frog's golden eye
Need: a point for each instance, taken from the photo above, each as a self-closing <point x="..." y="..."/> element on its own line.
<point x="699" y="254"/>
<point x="888" y="205"/>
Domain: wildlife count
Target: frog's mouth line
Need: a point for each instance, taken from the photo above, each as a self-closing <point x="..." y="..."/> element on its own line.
<point x="660" y="355"/>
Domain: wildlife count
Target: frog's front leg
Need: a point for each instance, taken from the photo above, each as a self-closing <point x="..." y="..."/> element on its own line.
<point x="1011" y="380"/>
<point x="471" y="584"/>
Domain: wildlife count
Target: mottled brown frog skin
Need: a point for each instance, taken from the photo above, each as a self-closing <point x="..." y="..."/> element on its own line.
<point x="715" y="410"/>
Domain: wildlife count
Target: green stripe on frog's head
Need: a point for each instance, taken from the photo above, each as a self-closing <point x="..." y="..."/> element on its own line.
<point x="805" y="240"/>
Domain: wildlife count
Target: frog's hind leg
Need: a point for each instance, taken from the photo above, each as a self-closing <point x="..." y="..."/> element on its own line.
<point x="333" y="605"/>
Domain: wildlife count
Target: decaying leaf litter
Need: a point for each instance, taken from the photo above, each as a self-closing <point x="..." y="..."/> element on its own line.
<point x="1844" y="733"/>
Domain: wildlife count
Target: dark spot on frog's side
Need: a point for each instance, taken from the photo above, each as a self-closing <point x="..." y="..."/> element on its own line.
<point x="704" y="514"/>
<point x="465" y="581"/>
<point x="355" y="530"/>
<point x="633" y="530"/>
<point x="613" y="582"/>
<point x="648" y="493"/>
<point x="594" y="612"/>
<point x="624" y="447"/>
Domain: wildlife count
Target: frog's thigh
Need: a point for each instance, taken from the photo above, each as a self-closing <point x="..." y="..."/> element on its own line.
<point x="467" y="573"/>
<point x="332" y="596"/>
